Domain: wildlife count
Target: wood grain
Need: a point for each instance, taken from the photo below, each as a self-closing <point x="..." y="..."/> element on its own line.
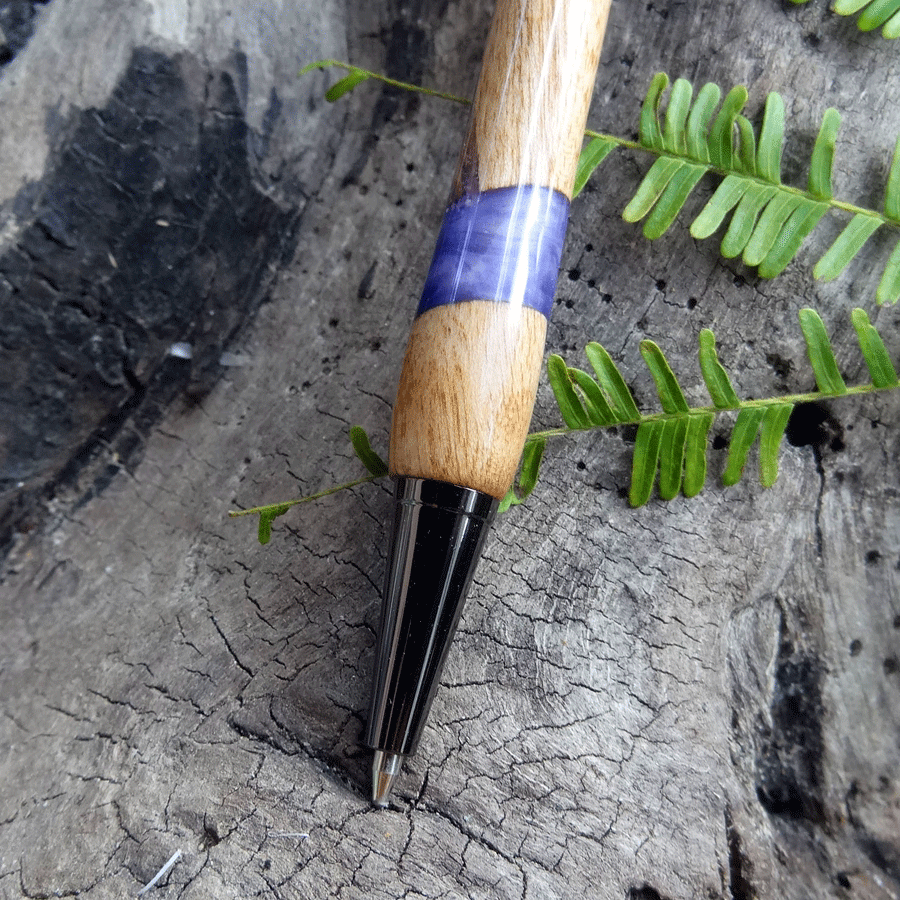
<point x="535" y="88"/>
<point x="470" y="372"/>
<point x="465" y="399"/>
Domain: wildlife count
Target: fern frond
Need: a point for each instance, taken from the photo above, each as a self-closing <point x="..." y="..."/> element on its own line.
<point x="671" y="447"/>
<point x="767" y="221"/>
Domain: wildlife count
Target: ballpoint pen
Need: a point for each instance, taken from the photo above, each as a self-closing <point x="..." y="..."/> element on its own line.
<point x="471" y="369"/>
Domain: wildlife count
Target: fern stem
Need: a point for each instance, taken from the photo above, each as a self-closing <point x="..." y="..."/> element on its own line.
<point x="620" y="141"/>
<point x="285" y="504"/>
<point x="697" y="411"/>
<point x="391" y="82"/>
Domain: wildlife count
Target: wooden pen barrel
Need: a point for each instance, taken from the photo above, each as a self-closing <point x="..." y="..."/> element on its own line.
<point x="473" y="360"/>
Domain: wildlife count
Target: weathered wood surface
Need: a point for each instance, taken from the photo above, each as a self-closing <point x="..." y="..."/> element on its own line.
<point x="698" y="699"/>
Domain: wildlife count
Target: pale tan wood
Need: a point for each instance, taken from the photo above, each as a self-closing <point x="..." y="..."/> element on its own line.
<point x="533" y="95"/>
<point x="471" y="371"/>
<point x="466" y="395"/>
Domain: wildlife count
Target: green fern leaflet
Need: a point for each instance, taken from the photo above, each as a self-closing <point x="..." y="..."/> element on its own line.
<point x="883" y="14"/>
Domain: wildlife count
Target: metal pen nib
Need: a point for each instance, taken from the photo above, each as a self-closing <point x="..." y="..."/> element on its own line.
<point x="436" y="540"/>
<point x="385" y="768"/>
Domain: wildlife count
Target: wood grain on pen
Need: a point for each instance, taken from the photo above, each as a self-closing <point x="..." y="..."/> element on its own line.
<point x="466" y="394"/>
<point x="471" y="369"/>
<point x="532" y="100"/>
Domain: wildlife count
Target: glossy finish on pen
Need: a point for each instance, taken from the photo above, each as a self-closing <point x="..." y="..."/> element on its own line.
<point x="437" y="536"/>
<point x="471" y="368"/>
<point x="474" y="355"/>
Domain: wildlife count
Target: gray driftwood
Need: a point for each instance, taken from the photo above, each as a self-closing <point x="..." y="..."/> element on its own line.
<point x="698" y="699"/>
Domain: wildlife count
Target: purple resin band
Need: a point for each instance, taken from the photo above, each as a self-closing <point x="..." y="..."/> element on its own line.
<point x="503" y="244"/>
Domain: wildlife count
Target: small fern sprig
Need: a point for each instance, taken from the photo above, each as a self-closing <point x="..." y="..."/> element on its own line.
<point x="671" y="445"/>
<point x="356" y="76"/>
<point x="268" y="513"/>
<point x="883" y="14"/>
<point x="674" y="443"/>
